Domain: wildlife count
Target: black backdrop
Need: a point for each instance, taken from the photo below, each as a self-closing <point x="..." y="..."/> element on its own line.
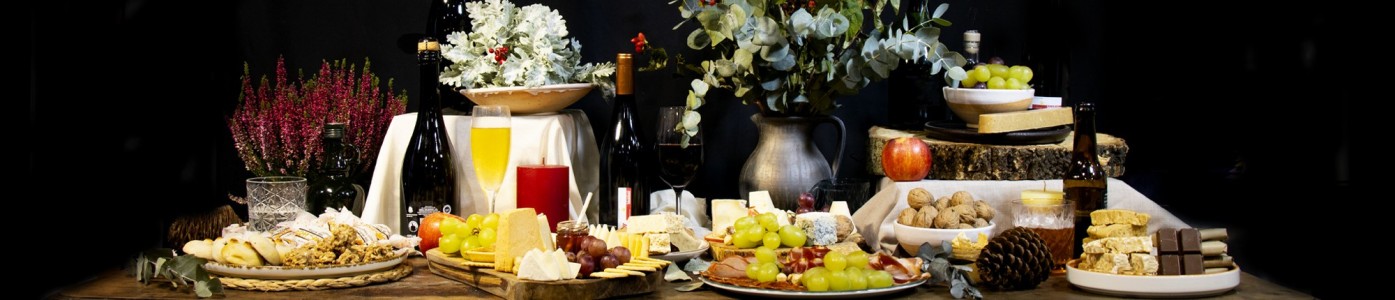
<point x="1228" y="108"/>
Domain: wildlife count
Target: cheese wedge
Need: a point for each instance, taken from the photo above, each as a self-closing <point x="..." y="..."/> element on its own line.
<point x="1024" y="120"/>
<point x="545" y="232"/>
<point x="660" y="243"/>
<point x="725" y="212"/>
<point x="517" y="234"/>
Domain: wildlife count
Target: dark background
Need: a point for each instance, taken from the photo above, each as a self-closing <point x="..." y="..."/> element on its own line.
<point x="1237" y="114"/>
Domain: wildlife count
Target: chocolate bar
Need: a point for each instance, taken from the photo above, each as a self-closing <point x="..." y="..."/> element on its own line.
<point x="1169" y="264"/>
<point x="1189" y="240"/>
<point x="1166" y="241"/>
<point x="1192" y="265"/>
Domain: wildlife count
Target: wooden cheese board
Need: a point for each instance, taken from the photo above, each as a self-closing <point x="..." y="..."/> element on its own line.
<point x="509" y="286"/>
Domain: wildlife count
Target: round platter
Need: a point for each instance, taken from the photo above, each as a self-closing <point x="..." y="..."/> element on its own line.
<point x="810" y="295"/>
<point x="685" y="255"/>
<point x="958" y="132"/>
<point x="1182" y="286"/>
<point x="279" y="272"/>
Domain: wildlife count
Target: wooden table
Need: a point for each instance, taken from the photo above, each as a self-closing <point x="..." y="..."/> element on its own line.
<point x="118" y="284"/>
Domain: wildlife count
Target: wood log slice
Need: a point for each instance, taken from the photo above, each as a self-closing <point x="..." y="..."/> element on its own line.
<point x="969" y="161"/>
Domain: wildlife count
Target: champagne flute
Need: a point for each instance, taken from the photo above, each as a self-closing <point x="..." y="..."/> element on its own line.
<point x="490" y="127"/>
<point x="677" y="164"/>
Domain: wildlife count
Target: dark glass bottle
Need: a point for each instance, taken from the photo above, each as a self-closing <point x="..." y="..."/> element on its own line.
<point x="622" y="168"/>
<point x="428" y="174"/>
<point x="1085" y="181"/>
<point x="452" y="18"/>
<point x="971" y="41"/>
<point x="335" y="186"/>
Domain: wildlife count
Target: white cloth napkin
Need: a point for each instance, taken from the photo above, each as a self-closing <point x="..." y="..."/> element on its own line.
<point x="694" y="208"/>
<point x="875" y="218"/>
<point x="564" y="138"/>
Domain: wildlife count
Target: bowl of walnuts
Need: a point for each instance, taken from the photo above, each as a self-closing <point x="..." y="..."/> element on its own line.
<point x="931" y="220"/>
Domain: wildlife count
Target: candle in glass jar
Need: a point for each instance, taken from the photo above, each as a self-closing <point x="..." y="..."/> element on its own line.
<point x="544" y="188"/>
<point x="1042" y="197"/>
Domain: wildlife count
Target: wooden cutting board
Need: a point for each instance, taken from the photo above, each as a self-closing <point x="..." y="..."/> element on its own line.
<point x="509" y="286"/>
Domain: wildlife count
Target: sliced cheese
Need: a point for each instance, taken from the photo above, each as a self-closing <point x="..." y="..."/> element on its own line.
<point x="545" y="231"/>
<point x="840" y="208"/>
<point x="559" y="260"/>
<point x="517" y="234"/>
<point x="685" y="241"/>
<point x="539" y="266"/>
<point x="761" y="200"/>
<point x="647" y="224"/>
<point x="725" y="212"/>
<point x="658" y="242"/>
<point x="1024" y="120"/>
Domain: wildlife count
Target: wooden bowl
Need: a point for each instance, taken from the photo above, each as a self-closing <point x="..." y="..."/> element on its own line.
<point x="525" y="101"/>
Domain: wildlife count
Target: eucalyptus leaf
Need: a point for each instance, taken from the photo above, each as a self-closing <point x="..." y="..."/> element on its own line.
<point x="854" y="17"/>
<point x="772" y="85"/>
<point x="942" y="22"/>
<point x="801" y="21"/>
<point x="699" y="88"/>
<point x="772" y="101"/>
<point x="957" y="73"/>
<point x="742" y="59"/>
<point x="699" y="39"/>
<point x="928" y="34"/>
<point x="940" y="10"/>
<point x="741" y="91"/>
<point x="935" y="67"/>
<point x="201" y="288"/>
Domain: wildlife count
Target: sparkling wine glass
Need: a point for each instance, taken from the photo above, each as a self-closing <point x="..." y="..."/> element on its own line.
<point x="489" y="146"/>
<point x="677" y="163"/>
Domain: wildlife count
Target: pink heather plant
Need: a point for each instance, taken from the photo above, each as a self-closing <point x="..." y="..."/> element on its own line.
<point x="277" y="128"/>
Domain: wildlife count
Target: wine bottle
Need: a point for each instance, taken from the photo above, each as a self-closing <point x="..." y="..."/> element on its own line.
<point x="622" y="168"/>
<point x="334" y="187"/>
<point x="971" y="41"/>
<point x="1085" y="181"/>
<point x="428" y="174"/>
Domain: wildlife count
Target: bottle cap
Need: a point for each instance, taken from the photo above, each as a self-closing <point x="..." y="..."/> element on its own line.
<point x="971" y="40"/>
<point x="624" y="74"/>
<point x="334" y="130"/>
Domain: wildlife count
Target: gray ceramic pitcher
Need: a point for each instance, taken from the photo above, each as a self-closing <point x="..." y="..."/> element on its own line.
<point x="786" y="161"/>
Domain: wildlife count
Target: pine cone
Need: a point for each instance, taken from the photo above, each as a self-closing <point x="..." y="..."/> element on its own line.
<point x="1017" y="259"/>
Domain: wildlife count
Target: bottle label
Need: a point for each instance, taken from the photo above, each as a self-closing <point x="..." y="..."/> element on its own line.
<point x="622" y="206"/>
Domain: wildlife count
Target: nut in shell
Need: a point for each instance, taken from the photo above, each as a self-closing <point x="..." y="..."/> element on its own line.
<point x="967" y="213"/>
<point x="961" y="198"/>
<point x="907" y="217"/>
<point x="942" y="203"/>
<point x="947" y="219"/>
<point x="984" y="210"/>
<point x="919" y="197"/>
<point x="980" y="223"/>
<point x="965" y="226"/>
<point x="926" y="216"/>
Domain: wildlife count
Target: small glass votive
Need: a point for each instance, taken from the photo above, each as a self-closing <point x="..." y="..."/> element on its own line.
<point x="1051" y="218"/>
<point x="275" y="199"/>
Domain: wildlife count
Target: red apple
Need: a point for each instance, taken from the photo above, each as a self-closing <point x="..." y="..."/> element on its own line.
<point x="430" y="229"/>
<point x="906" y="159"/>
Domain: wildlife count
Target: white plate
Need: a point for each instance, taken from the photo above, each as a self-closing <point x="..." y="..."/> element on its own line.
<point x="685" y="255"/>
<point x="1181" y="286"/>
<point x="279" y="272"/>
<point x="810" y="295"/>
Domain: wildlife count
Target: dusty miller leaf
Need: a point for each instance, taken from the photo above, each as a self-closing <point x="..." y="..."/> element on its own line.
<point x="699" y="39"/>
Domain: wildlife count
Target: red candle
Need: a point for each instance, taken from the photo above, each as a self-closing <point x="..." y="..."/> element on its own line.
<point x="545" y="189"/>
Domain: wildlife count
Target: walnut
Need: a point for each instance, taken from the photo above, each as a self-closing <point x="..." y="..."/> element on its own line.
<point x="907" y="217"/>
<point x="984" y="210"/>
<point x="967" y="213"/>
<point x="947" y="219"/>
<point x="980" y="223"/>
<point x="961" y="198"/>
<point x="919" y="197"/>
<point x="942" y="203"/>
<point x="926" y="216"/>
<point x="965" y="226"/>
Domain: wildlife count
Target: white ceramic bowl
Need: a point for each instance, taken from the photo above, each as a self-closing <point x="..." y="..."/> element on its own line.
<point x="969" y="103"/>
<point x="524" y="101"/>
<point x="911" y="237"/>
<point x="1180" y="286"/>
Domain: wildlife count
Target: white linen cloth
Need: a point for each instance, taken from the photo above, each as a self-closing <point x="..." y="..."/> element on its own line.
<point x="694" y="208"/>
<point x="565" y="138"/>
<point x="874" y="220"/>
